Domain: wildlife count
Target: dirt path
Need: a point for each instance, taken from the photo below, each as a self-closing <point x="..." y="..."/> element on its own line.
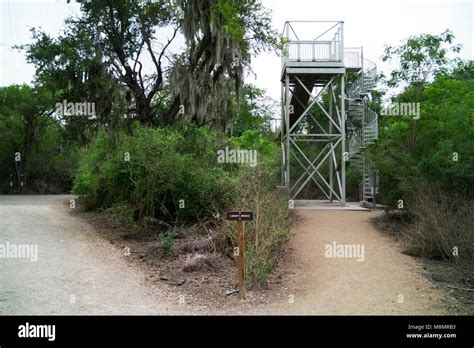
<point x="76" y="272"/>
<point x="79" y="272"/>
<point x="385" y="282"/>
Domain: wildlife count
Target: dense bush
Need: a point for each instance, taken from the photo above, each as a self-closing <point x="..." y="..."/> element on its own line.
<point x="160" y="172"/>
<point x="437" y="148"/>
<point x="443" y="229"/>
<point x="429" y="164"/>
<point x="255" y="191"/>
<point x="180" y="163"/>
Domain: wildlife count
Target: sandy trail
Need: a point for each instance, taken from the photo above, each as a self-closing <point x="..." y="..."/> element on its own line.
<point x="385" y="282"/>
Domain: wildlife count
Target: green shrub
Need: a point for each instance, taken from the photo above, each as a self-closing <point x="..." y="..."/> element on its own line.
<point x="407" y="152"/>
<point x="179" y="165"/>
<point x="266" y="235"/>
<point x="162" y="178"/>
<point x="167" y="242"/>
<point x="443" y="228"/>
<point x="429" y="165"/>
<point x="121" y="212"/>
<point x="352" y="184"/>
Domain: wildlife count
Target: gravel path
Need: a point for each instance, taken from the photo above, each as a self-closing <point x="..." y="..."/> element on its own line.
<point x="77" y="272"/>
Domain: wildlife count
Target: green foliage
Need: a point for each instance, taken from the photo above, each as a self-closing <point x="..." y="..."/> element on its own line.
<point x="266" y="235"/>
<point x="123" y="213"/>
<point x="352" y="184"/>
<point x="231" y="21"/>
<point x="268" y="153"/>
<point x="27" y="128"/>
<point x="167" y="242"/>
<point x="420" y="57"/>
<point x="255" y="112"/>
<point x="246" y="21"/>
<point x="161" y="173"/>
<point x="253" y="139"/>
<point x="444" y="132"/>
<point x="168" y="165"/>
<point x="428" y="163"/>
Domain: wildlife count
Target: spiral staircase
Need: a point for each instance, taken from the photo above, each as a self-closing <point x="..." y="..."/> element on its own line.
<point x="362" y="127"/>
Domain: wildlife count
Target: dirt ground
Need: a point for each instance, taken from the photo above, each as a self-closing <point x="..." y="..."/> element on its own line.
<point x="385" y="282"/>
<point x="307" y="282"/>
<point x="110" y="273"/>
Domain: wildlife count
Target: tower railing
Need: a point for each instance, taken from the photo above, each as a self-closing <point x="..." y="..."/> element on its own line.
<point x="371" y="127"/>
<point x="314" y="51"/>
<point x="328" y="46"/>
<point x="353" y="57"/>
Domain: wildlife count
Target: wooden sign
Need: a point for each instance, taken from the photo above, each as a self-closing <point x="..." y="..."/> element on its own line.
<point x="240" y="217"/>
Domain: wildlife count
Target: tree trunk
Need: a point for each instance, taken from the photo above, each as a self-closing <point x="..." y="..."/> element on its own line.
<point x="170" y="116"/>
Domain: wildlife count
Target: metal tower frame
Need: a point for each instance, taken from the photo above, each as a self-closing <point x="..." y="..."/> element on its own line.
<point x="332" y="134"/>
<point x="312" y="68"/>
<point x="309" y="69"/>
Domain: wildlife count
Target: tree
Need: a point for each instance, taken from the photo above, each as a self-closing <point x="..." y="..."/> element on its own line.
<point x="221" y="36"/>
<point x="116" y="38"/>
<point x="256" y="111"/>
<point x="125" y="33"/>
<point x="25" y="125"/>
<point x="420" y="58"/>
<point x="443" y="156"/>
<point x="71" y="69"/>
<point x="104" y="49"/>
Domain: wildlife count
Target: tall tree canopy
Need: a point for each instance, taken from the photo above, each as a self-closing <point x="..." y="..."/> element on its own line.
<point x="420" y="58"/>
<point x="117" y="49"/>
<point x="221" y="36"/>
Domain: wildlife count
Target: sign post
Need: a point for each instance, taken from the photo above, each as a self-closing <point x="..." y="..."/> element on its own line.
<point x="240" y="216"/>
<point x="241" y="258"/>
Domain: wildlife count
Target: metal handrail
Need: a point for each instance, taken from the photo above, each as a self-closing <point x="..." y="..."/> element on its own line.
<point x="353" y="57"/>
<point x="369" y="65"/>
<point x="327" y="47"/>
<point x="364" y="84"/>
<point x="366" y="134"/>
<point x="370" y="129"/>
<point x="316" y="51"/>
<point x="288" y="26"/>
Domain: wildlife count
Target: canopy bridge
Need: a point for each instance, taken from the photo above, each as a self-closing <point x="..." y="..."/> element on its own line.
<point x="323" y="124"/>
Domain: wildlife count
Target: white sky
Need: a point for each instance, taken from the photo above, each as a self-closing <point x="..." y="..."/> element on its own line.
<point x="370" y="24"/>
